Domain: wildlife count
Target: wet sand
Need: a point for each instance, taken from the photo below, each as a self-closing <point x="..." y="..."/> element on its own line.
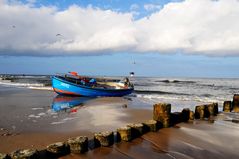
<point x="31" y="119"/>
<point x="39" y="140"/>
<point x="185" y="141"/>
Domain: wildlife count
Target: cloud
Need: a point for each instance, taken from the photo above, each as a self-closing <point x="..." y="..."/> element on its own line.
<point x="76" y="30"/>
<point x="196" y="27"/>
<point x="205" y="27"/>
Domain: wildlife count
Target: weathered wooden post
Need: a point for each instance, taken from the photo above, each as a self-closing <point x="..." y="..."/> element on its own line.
<point x="206" y="110"/>
<point x="215" y="108"/>
<point x="235" y="103"/>
<point x="58" y="148"/>
<point x="176" y="117"/>
<point x="136" y="129"/>
<point x="104" y="138"/>
<point x="161" y="113"/>
<point x="199" y="112"/>
<point x="210" y="110"/>
<point x="185" y="114"/>
<point x="124" y="133"/>
<point x="191" y="115"/>
<point x="150" y="125"/>
<point x="227" y="106"/>
<point x="78" y="144"/>
<point x="25" y="154"/>
<point x="4" y="156"/>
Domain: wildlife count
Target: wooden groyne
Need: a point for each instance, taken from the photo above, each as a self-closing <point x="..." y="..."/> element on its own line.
<point x="162" y="117"/>
<point x="232" y="106"/>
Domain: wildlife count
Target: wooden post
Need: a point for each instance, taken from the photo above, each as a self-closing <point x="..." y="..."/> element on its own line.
<point x="136" y="129"/>
<point x="58" y="148"/>
<point x="124" y="133"/>
<point x="235" y="103"/>
<point x="199" y="112"/>
<point x="206" y="110"/>
<point x="27" y="153"/>
<point x="191" y="115"/>
<point x="176" y="117"/>
<point x="161" y="108"/>
<point x="212" y="110"/>
<point x="227" y="106"/>
<point x="150" y="125"/>
<point x="4" y="156"/>
<point x="161" y="113"/>
<point x="104" y="139"/>
<point x="215" y="108"/>
<point x="185" y="114"/>
<point x="78" y="144"/>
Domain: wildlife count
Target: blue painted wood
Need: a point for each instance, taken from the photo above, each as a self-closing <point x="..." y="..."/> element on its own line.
<point x="62" y="86"/>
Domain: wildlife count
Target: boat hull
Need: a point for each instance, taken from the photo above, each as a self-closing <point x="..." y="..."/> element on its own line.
<point x="64" y="87"/>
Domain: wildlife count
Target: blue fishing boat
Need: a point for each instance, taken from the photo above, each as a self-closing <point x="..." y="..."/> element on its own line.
<point x="73" y="84"/>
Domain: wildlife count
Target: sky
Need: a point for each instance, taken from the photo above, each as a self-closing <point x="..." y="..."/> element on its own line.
<point x="165" y="38"/>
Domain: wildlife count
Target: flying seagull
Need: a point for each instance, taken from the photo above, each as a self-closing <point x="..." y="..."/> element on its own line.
<point x="58" y="34"/>
<point x="13" y="26"/>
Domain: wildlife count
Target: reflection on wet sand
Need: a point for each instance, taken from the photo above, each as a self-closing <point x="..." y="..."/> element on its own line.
<point x="72" y="113"/>
<point x="63" y="117"/>
<point x="198" y="139"/>
<point x="64" y="103"/>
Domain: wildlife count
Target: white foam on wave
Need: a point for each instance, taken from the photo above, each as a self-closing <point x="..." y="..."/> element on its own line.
<point x="57" y="122"/>
<point x="68" y="118"/>
<point x="41" y="88"/>
<point x="62" y="121"/>
<point x="37" y="86"/>
<point x="22" y="84"/>
<point x="37" y="108"/>
<point x="41" y="114"/>
<point x="33" y="116"/>
<point x="155" y="98"/>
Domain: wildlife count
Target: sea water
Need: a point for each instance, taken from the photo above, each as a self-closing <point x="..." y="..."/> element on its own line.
<point x="180" y="92"/>
<point x="28" y="103"/>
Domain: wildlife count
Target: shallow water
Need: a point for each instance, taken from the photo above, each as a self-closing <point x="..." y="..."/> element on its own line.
<point x="180" y="92"/>
<point x="25" y="110"/>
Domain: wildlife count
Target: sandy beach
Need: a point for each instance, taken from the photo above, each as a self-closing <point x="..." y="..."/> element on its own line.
<point x="33" y="118"/>
<point x="37" y="118"/>
<point x="198" y="139"/>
